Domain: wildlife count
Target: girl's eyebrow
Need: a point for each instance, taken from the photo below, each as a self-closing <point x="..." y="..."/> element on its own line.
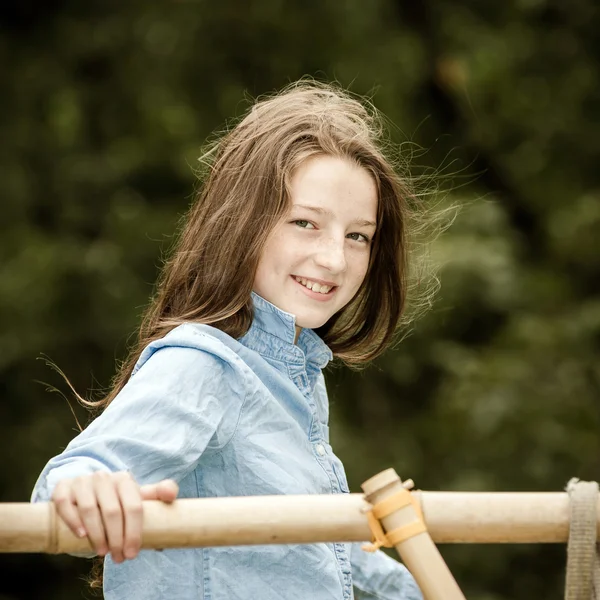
<point x="328" y="213"/>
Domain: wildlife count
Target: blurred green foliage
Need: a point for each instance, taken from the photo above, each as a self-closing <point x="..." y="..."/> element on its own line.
<point x="105" y="106"/>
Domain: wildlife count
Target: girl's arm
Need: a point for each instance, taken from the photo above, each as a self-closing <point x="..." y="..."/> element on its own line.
<point x="376" y="576"/>
<point x="182" y="402"/>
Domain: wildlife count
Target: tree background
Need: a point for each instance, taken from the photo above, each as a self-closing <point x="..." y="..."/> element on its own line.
<point x="105" y="106"/>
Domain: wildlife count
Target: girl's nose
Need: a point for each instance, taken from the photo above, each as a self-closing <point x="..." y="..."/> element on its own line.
<point x="331" y="255"/>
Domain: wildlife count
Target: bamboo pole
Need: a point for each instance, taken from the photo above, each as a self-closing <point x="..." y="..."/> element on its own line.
<point x="418" y="552"/>
<point x="451" y="517"/>
<point x="201" y="522"/>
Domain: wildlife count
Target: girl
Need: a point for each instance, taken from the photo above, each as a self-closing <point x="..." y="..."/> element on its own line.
<point x="293" y="253"/>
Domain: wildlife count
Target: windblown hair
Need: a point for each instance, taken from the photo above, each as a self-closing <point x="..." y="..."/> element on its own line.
<point x="245" y="192"/>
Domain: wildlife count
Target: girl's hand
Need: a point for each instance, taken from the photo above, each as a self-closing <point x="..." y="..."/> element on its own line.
<point x="107" y="507"/>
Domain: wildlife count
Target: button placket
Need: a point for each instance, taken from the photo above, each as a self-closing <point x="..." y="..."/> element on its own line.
<point x="341" y="554"/>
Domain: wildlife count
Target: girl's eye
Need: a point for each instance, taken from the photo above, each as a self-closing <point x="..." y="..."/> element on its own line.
<point x="359" y="237"/>
<point x="304" y="224"/>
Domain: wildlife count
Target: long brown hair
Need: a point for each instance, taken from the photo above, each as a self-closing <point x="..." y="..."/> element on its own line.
<point x="244" y="193"/>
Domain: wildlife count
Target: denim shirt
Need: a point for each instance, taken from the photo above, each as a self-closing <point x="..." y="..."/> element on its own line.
<point x="226" y="417"/>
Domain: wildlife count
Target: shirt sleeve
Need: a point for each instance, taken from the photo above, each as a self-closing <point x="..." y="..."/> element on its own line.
<point x="376" y="576"/>
<point x="181" y="403"/>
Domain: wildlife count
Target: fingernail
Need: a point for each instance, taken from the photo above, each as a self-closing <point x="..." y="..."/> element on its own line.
<point x="81" y="532"/>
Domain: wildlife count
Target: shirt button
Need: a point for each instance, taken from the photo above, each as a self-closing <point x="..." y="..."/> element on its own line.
<point x="321" y="450"/>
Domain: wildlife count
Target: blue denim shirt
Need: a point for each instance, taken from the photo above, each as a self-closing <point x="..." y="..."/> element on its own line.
<point x="230" y="418"/>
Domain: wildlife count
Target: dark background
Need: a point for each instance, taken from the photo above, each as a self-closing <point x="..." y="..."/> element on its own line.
<point x="105" y="106"/>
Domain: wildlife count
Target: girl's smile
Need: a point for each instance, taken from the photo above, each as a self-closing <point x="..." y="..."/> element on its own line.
<point x="316" y="289"/>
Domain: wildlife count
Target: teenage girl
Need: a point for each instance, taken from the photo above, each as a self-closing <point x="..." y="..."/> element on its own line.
<point x="293" y="253"/>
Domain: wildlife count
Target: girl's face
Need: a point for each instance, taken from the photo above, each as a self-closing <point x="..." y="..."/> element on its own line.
<point x="315" y="260"/>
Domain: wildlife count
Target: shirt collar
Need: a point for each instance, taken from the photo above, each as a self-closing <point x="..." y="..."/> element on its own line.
<point x="273" y="332"/>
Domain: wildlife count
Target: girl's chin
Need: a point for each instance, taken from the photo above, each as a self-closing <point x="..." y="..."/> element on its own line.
<point x="310" y="322"/>
<point x="306" y="317"/>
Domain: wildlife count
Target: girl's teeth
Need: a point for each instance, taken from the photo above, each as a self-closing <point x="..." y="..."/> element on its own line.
<point x="314" y="286"/>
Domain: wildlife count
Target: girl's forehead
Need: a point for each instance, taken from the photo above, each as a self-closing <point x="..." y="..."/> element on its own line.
<point x="328" y="185"/>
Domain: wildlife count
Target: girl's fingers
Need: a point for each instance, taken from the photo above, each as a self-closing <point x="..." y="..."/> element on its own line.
<point x="107" y="507"/>
<point x="86" y="503"/>
<point x="165" y="490"/>
<point x="111" y="512"/>
<point x="66" y="509"/>
<point x="131" y="501"/>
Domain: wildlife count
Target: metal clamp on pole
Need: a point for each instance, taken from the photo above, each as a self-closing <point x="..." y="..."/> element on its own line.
<point x="385" y="508"/>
